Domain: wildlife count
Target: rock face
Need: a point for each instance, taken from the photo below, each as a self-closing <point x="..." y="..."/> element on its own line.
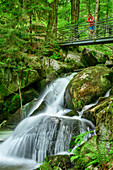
<point x="9" y="81"/>
<point x="88" y="58"/>
<point x="87" y="86"/>
<point x="102" y="116"/>
<point x="104" y="122"/>
<point x="9" y="86"/>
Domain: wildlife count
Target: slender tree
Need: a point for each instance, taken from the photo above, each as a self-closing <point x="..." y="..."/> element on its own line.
<point x="89" y="6"/>
<point x="77" y="10"/>
<point x="96" y="14"/>
<point x="73" y="18"/>
<point x="50" y="26"/>
<point x="56" y="17"/>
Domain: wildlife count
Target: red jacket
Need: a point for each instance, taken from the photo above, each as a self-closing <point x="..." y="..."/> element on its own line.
<point x="91" y="21"/>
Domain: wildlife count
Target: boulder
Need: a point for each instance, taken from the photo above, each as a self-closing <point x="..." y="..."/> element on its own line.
<point x="74" y="58"/>
<point x="86" y="87"/>
<point x="101" y="57"/>
<point x="88" y="58"/>
<point x="32" y="61"/>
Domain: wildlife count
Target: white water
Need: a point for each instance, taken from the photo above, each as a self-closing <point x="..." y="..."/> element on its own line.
<point x="86" y="107"/>
<point x="47" y="133"/>
<point x="53" y="96"/>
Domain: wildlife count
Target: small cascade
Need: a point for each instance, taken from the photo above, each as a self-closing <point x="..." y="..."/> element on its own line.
<point x="53" y="96"/>
<point x="86" y="107"/>
<point x="49" y="132"/>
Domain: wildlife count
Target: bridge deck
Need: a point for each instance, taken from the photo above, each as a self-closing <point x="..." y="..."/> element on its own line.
<point x="89" y="42"/>
<point x="79" y="34"/>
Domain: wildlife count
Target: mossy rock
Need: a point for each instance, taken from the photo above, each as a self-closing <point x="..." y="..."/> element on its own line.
<point x="40" y="108"/>
<point x="51" y="76"/>
<point x="86" y="87"/>
<point x="72" y="113"/>
<point x="9" y="81"/>
<point x="104" y="122"/>
<point x="45" y="166"/>
<point x="62" y="161"/>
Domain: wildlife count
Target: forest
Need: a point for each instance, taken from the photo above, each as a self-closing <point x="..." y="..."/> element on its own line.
<point x="53" y="98"/>
<point x="29" y="26"/>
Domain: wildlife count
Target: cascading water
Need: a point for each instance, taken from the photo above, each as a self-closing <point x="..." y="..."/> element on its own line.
<point x="47" y="133"/>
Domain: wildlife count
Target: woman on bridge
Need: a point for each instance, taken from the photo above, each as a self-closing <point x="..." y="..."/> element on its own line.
<point x="91" y="27"/>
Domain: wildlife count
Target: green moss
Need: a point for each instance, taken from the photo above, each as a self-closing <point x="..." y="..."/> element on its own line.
<point x="105" y="122"/>
<point x="72" y="113"/>
<point x="78" y="104"/>
<point x="87" y="86"/>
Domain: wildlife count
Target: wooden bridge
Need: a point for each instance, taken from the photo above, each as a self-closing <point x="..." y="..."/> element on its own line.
<point x="79" y="34"/>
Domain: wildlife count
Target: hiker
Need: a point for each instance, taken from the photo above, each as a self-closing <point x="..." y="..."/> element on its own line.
<point x="91" y="27"/>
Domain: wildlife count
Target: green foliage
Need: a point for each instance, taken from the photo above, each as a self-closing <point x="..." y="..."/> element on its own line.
<point x="50" y="1"/>
<point x="106" y="74"/>
<point x="12" y="105"/>
<point x="3" y="124"/>
<point x="45" y="165"/>
<point x="55" y="56"/>
<point x="96" y="155"/>
<point x="78" y="104"/>
<point x="102" y="155"/>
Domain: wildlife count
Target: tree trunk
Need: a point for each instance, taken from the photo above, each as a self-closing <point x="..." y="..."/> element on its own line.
<point x="96" y="10"/>
<point x="107" y="9"/>
<point x="77" y="10"/>
<point x="96" y="14"/>
<point x="30" y="21"/>
<point x="77" y="17"/>
<point x="19" y="86"/>
<point x="51" y="19"/>
<point x="72" y="11"/>
<point x="20" y="100"/>
<point x="56" y="17"/>
<point x="89" y="3"/>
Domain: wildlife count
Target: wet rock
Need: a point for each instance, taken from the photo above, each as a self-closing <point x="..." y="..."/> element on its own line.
<point x="72" y="113"/>
<point x="51" y="76"/>
<point x="91" y="114"/>
<point x="86" y="87"/>
<point x="40" y="108"/>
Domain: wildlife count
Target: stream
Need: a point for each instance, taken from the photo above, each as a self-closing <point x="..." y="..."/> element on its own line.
<point x="48" y="132"/>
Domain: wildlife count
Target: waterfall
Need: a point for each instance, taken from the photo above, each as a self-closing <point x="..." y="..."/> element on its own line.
<point x="48" y="132"/>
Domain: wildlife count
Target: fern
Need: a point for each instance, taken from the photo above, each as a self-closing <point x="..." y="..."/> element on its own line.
<point x="99" y="154"/>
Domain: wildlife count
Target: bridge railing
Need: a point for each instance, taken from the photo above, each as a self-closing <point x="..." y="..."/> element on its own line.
<point x="81" y="32"/>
